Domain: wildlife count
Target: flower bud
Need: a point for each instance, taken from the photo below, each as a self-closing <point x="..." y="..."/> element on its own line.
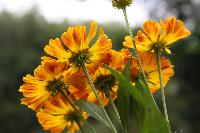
<point x="120" y="4"/>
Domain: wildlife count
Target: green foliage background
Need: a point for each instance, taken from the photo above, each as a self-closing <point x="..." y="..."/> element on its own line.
<point x="22" y="40"/>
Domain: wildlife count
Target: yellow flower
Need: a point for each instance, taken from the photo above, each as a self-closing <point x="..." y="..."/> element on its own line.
<point x="58" y="116"/>
<point x="78" y="45"/>
<point x="105" y="83"/>
<point x="149" y="63"/>
<point x="156" y="34"/>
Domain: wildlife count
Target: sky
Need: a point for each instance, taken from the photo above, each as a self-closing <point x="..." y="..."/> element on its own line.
<point x="74" y="10"/>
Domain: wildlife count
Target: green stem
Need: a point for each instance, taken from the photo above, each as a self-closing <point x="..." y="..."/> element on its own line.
<point x="96" y="95"/>
<point x="134" y="45"/>
<point x="158" y="53"/>
<point x="114" y="108"/>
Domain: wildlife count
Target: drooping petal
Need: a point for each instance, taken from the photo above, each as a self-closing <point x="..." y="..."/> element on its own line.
<point x="55" y="117"/>
<point x="51" y="122"/>
<point x="34" y="92"/>
<point x="149" y="63"/>
<point x="75" y="38"/>
<point x="101" y="48"/>
<point x="55" y="49"/>
<point x="152" y="30"/>
<point x="36" y="89"/>
<point x="92" y="32"/>
<point x="143" y="42"/>
<point x="173" y="30"/>
<point x="50" y="70"/>
<point x="119" y="59"/>
<point x="128" y="42"/>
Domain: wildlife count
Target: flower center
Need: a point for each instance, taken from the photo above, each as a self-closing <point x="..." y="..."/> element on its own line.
<point x="55" y="86"/>
<point x="82" y="55"/>
<point x="104" y="83"/>
<point x="72" y="116"/>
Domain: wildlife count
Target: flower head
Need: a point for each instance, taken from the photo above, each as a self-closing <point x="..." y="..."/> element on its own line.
<point x="160" y="35"/>
<point x="44" y="84"/>
<point x="120" y="4"/>
<point x="105" y="83"/>
<point x="78" y="45"/>
<point x="58" y="116"/>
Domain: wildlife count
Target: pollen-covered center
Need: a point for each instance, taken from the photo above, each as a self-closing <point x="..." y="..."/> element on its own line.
<point x="55" y="85"/>
<point x="105" y="83"/>
<point x="82" y="55"/>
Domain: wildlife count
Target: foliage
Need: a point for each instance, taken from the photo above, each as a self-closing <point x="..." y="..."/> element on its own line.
<point x="21" y="41"/>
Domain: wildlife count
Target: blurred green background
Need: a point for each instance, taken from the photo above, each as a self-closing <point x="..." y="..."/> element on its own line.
<point x="22" y="39"/>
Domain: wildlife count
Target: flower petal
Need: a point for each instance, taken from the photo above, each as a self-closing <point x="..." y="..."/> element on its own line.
<point x="143" y="43"/>
<point x="152" y="30"/>
<point x="128" y="42"/>
<point x="56" y="49"/>
<point x="173" y="30"/>
<point x="92" y="33"/>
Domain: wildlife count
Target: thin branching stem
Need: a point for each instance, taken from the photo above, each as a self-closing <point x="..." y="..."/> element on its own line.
<point x="134" y="45"/>
<point x="96" y="95"/>
<point x="158" y="54"/>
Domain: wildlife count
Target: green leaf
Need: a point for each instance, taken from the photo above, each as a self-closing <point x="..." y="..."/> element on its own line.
<point x="93" y="110"/>
<point x="87" y="128"/>
<point x="114" y="118"/>
<point x="151" y="113"/>
<point x="148" y="118"/>
<point x="123" y="99"/>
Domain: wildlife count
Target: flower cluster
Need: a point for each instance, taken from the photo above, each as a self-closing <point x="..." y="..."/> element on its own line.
<point x="60" y="79"/>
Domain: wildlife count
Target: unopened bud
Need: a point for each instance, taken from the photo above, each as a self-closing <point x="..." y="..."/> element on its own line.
<point x="120" y="4"/>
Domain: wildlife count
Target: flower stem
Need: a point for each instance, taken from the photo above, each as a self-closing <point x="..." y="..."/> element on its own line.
<point x="96" y="95"/>
<point x="135" y="48"/>
<point x="70" y="103"/>
<point x="115" y="109"/>
<point x="158" y="53"/>
<point x="79" y="125"/>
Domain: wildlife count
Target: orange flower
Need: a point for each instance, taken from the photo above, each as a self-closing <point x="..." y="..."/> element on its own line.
<point x="78" y="45"/>
<point x="156" y="34"/>
<point x="105" y="83"/>
<point x="46" y="83"/>
<point x="58" y="116"/>
<point x="149" y="63"/>
<point x="39" y="88"/>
